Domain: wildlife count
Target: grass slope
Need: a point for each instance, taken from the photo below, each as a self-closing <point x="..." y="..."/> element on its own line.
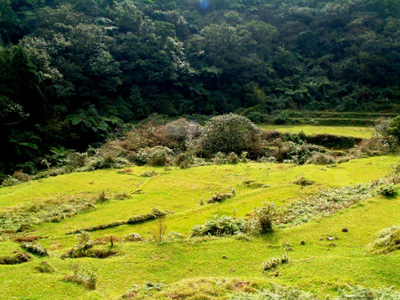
<point x="357" y="132"/>
<point x="314" y="267"/>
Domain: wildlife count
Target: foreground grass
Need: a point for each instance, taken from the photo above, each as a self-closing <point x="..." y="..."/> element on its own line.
<point x="357" y="132"/>
<point x="316" y="266"/>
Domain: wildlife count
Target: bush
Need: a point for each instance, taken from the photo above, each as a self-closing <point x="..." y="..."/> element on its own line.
<point x="387" y="190"/>
<point x="149" y="174"/>
<point x="155" y="214"/>
<point x="387" y="240"/>
<point x="35" y="249"/>
<point x="158" y="156"/>
<point x="133" y="237"/>
<point x="332" y="141"/>
<point x="220" y="197"/>
<point x="233" y="158"/>
<point x="18" y="258"/>
<point x="369" y="294"/>
<point x="321" y="159"/>
<point x="219" y="158"/>
<point x="261" y="220"/>
<point x="219" y="227"/>
<point x="180" y="134"/>
<point x="87" y="278"/>
<point x="230" y="133"/>
<point x="174" y="236"/>
<point x="183" y="160"/>
<point x="296" y="153"/>
<point x="257" y="117"/>
<point x="10" y="181"/>
<point x="45" y="267"/>
<point x="158" y="230"/>
<point x="303" y="181"/>
<point x="21" y="176"/>
<point x="273" y="262"/>
<point x="84" y="248"/>
<point x="76" y="160"/>
<point x="386" y="131"/>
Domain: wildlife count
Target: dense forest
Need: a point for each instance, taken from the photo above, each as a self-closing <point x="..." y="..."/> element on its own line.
<point x="73" y="72"/>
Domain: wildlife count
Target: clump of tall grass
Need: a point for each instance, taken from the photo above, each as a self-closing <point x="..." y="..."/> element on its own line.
<point x="45" y="267"/>
<point x="87" y="278"/>
<point x="219" y="227"/>
<point x="34" y="249"/>
<point x="273" y="262"/>
<point x="387" y="240"/>
<point x="17" y="258"/>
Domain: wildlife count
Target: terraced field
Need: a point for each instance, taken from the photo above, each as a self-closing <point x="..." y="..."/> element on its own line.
<point x="357" y="132"/>
<point x="193" y="267"/>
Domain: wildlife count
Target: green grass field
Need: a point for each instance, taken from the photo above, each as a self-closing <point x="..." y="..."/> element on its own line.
<point x="314" y="267"/>
<point x="358" y="132"/>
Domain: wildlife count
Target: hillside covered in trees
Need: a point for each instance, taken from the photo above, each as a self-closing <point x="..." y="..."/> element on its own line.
<point x="72" y="72"/>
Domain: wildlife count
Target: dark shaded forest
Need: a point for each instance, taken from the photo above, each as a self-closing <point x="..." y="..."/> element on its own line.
<point x="73" y="72"/>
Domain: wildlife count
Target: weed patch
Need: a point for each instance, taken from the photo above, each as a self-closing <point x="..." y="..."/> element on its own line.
<point x="25" y="217"/>
<point x="34" y="249"/>
<point x="17" y="258"/>
<point x="387" y="241"/>
<point x="273" y="262"/>
<point x="221" y="197"/>
<point x="155" y="214"/>
<point x="87" y="278"/>
<point x="219" y="227"/>
<point x="303" y="181"/>
<point x="45" y="267"/>
<point x="327" y="202"/>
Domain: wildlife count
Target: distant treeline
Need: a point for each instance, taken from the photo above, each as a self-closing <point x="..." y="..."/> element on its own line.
<point x="73" y="71"/>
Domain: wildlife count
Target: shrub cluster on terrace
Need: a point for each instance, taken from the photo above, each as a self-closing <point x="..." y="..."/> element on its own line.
<point x="387" y="240"/>
<point x="85" y="248"/>
<point x="219" y="227"/>
<point x="223" y="139"/>
<point x="259" y="222"/>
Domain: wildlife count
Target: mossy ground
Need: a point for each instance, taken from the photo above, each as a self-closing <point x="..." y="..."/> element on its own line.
<point x="351" y="131"/>
<point x="316" y="266"/>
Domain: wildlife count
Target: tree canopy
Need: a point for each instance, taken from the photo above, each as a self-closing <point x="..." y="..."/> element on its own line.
<point x="86" y="66"/>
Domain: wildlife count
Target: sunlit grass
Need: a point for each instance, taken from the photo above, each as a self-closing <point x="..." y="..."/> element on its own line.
<point x="314" y="266"/>
<point x="358" y="132"/>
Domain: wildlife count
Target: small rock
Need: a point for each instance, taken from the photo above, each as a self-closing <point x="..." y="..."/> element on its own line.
<point x="303" y="242"/>
<point x="224" y="257"/>
<point x="345" y="230"/>
<point x="289" y="249"/>
<point x="321" y="239"/>
<point x="233" y="270"/>
<point x="329" y="238"/>
<point x="332" y="245"/>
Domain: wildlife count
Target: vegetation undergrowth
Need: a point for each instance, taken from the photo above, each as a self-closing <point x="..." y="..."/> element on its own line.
<point x="139" y="219"/>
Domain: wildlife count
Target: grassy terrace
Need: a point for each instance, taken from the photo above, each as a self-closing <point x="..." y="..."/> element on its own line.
<point x="358" y="132"/>
<point x="314" y="267"/>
